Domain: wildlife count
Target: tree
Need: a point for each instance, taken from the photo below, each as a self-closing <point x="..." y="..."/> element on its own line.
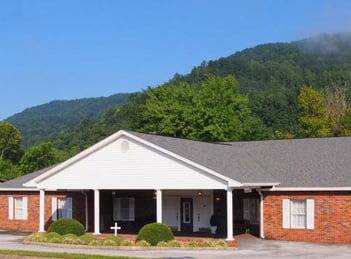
<point x="10" y="139"/>
<point x="213" y="111"/>
<point x="8" y="170"/>
<point x="39" y="157"/>
<point x="313" y="117"/>
<point x="337" y="109"/>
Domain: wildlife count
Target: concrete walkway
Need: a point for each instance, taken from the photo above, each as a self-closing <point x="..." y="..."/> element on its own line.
<point x="248" y="248"/>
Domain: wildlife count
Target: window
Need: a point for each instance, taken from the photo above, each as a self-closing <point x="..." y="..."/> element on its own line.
<point x="123" y="209"/>
<point x="61" y="208"/>
<point x="18" y="208"/>
<point x="251" y="208"/>
<point x="298" y="214"/>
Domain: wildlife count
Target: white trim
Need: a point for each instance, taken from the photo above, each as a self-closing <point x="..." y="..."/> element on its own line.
<point x="260" y="184"/>
<point x="229" y="214"/>
<point x="110" y="139"/>
<point x="54" y="208"/>
<point x="25" y="208"/>
<point x="96" y="212"/>
<point x="159" y="206"/>
<point x="11" y="208"/>
<point x="277" y="189"/>
<point x="309" y="214"/>
<point x="41" y="211"/>
<point x="286" y="213"/>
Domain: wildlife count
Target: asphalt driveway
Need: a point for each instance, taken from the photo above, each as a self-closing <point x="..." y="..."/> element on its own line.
<point x="247" y="248"/>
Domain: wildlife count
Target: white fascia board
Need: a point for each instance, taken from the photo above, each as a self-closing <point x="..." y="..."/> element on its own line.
<point x="277" y="189"/>
<point x="255" y="185"/>
<point x="108" y="140"/>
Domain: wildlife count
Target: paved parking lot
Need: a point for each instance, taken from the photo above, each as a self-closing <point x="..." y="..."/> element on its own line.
<point x="247" y="248"/>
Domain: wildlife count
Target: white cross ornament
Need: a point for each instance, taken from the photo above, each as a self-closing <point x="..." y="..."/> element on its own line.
<point x="115" y="228"/>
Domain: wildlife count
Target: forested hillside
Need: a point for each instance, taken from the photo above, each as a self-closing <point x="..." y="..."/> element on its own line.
<point x="278" y="90"/>
<point x="39" y="122"/>
<point x="268" y="78"/>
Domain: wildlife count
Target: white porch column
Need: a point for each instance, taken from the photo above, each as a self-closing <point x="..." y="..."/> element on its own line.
<point x="41" y="211"/>
<point x="229" y="214"/>
<point x="158" y="206"/>
<point x="96" y="212"/>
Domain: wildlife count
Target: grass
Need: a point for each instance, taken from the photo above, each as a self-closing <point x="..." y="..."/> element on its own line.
<point x="58" y="255"/>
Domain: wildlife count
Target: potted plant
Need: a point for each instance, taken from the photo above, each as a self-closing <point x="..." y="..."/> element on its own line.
<point x="214" y="220"/>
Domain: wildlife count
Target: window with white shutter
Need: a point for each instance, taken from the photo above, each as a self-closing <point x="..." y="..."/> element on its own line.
<point x="61" y="208"/>
<point x="18" y="208"/>
<point x="298" y="214"/>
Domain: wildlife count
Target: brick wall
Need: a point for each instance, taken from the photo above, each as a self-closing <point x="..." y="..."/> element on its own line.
<point x="32" y="223"/>
<point x="332" y="221"/>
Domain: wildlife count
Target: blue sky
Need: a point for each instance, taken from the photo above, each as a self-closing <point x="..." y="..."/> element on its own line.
<point x="69" y="49"/>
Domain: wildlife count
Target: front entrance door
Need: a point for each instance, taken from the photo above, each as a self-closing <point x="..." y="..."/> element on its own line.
<point x="186" y="215"/>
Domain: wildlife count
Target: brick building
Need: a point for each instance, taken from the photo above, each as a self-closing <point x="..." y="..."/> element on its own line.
<point x="297" y="189"/>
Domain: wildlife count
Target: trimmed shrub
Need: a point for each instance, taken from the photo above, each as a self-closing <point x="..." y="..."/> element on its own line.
<point x="162" y="244"/>
<point x="112" y="241"/>
<point x="126" y="242"/>
<point x="95" y="242"/>
<point x="191" y="243"/>
<point x="67" y="226"/>
<point x="174" y="243"/>
<point x="86" y="239"/>
<point x="37" y="237"/>
<point x="221" y="243"/>
<point x="142" y="243"/>
<point x="154" y="233"/>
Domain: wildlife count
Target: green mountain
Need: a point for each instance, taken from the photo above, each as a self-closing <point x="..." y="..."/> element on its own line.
<point x="38" y="123"/>
<point x="270" y="75"/>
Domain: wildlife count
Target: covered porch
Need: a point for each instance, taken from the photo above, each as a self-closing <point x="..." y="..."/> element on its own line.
<point x="187" y="212"/>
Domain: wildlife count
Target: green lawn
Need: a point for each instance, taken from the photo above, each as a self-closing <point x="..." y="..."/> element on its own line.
<point x="58" y="255"/>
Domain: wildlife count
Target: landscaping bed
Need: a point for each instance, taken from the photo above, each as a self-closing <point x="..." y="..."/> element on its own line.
<point x="120" y="242"/>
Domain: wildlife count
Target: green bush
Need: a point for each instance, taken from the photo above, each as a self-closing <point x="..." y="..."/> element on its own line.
<point x="126" y="242"/>
<point x="67" y="226"/>
<point x="154" y="233"/>
<point x="86" y="239"/>
<point x="112" y="241"/>
<point x="174" y="243"/>
<point x="37" y="237"/>
<point x="142" y="243"/>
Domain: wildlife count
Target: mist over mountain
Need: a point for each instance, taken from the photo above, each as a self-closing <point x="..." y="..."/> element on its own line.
<point x="270" y="75"/>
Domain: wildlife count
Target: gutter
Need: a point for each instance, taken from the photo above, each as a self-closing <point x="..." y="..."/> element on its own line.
<point x="261" y="215"/>
<point x="86" y="211"/>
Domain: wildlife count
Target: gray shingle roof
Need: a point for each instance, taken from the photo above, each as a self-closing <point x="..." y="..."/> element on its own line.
<point x="18" y="182"/>
<point x="318" y="162"/>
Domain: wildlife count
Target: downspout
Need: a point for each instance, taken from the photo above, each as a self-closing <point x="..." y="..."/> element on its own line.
<point x="86" y="211"/>
<point x="261" y="215"/>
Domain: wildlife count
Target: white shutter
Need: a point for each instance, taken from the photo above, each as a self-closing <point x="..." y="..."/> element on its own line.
<point x="25" y="208"/>
<point x="10" y="207"/>
<point x="131" y="209"/>
<point x="246" y="209"/>
<point x="68" y="208"/>
<point x="310" y="214"/>
<point x="54" y="209"/>
<point x="286" y="213"/>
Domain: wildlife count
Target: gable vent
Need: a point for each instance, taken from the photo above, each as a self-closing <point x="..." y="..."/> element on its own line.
<point x="124" y="146"/>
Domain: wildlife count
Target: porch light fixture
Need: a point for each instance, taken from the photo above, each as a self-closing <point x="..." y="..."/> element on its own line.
<point x="199" y="193"/>
<point x="218" y="199"/>
<point x="113" y="193"/>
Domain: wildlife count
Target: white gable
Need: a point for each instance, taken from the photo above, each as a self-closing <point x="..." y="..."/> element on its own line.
<point x="128" y="164"/>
